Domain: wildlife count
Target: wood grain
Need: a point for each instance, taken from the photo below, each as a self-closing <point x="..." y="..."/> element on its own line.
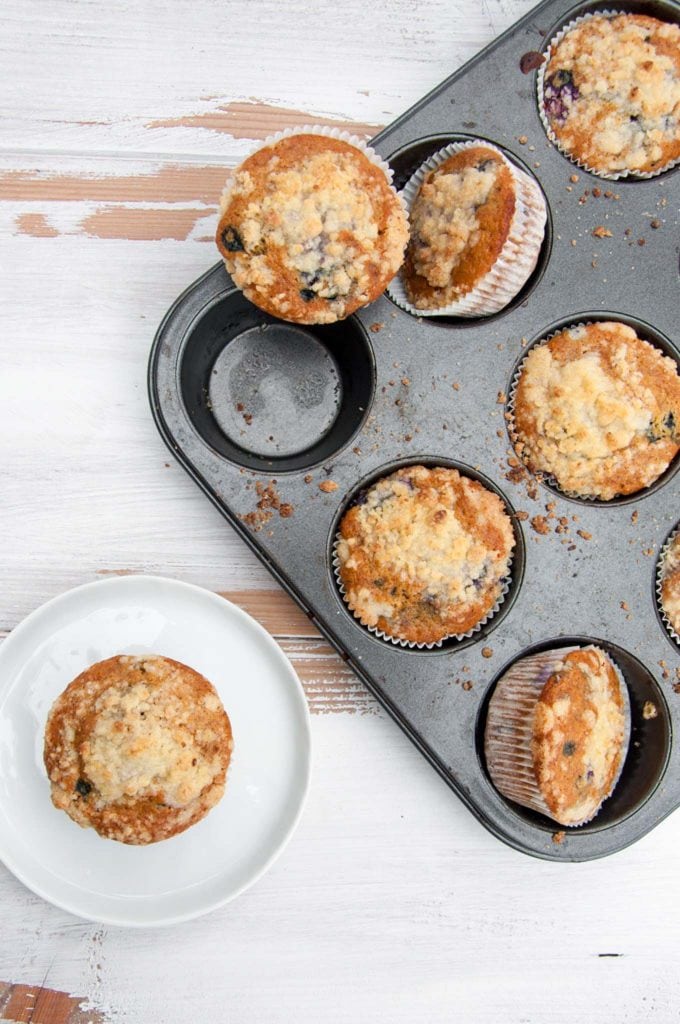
<point x="25" y="1004"/>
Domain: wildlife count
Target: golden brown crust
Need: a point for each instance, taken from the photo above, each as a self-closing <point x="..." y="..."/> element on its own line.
<point x="460" y="221"/>
<point x="311" y="229"/>
<point x="579" y="735"/>
<point x="670" y="583"/>
<point x="423" y="554"/>
<point x="612" y="93"/>
<point x="598" y="409"/>
<point x="137" y="748"/>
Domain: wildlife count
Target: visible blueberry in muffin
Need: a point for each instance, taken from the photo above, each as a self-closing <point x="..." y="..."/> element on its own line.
<point x="231" y="240"/>
<point x="559" y="94"/>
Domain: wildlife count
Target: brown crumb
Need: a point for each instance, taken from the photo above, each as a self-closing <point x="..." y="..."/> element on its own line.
<point x="655" y="223"/>
<point x="248" y="417"/>
<point x="376" y="327"/>
<point x="523" y="139"/>
<point x="609" y="194"/>
<point x="597" y="192"/>
<point x="487" y="652"/>
<point x="405" y="381"/>
<point x="455" y="386"/>
<point x="602" y="232"/>
<point x="528" y="62"/>
<point x="649" y="710"/>
<point x="573" y="178"/>
<point x="309" y="478"/>
<point x="356" y="449"/>
<point x="634" y="517"/>
<point x="522" y="516"/>
<point x="585" y="534"/>
<point x="467" y="684"/>
<point x="286" y="511"/>
<point x="624" y="606"/>
<point x="641" y="241"/>
<point x="328" y="486"/>
<point x="240" y="407"/>
<point x="540" y="525"/>
<point x="501" y="398"/>
<point x="558" y="837"/>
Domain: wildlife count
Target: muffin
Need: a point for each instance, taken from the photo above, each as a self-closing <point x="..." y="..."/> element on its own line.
<point x="424" y="554"/>
<point x="477" y="225"/>
<point x="669" y="583"/>
<point x="137" y="748"/>
<point x="598" y="410"/>
<point x="609" y="93"/>
<point x="311" y="229"/>
<point x="557" y="733"/>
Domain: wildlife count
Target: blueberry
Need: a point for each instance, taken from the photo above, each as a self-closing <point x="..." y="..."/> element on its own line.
<point x="561" y="78"/>
<point x="231" y="240"/>
<point x="569" y="748"/>
<point x="669" y="422"/>
<point x="634" y="118"/>
<point x="307" y="294"/>
<point x="379" y="583"/>
<point x="83" y="787"/>
<point x="484" y="165"/>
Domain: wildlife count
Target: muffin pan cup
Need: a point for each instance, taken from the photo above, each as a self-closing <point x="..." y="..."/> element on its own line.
<point x="409" y="390"/>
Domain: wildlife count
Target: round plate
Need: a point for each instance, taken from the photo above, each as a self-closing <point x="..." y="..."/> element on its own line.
<point x="216" y="859"/>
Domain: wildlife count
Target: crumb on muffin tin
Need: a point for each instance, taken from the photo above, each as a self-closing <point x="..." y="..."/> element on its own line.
<point x="137" y="747"/>
<point x="311" y="229"/>
<point x="423" y="553"/>
<point x="611" y="93"/>
<point x="597" y="409"/>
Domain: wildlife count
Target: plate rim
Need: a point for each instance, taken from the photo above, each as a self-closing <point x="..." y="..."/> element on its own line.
<point x="219" y="601"/>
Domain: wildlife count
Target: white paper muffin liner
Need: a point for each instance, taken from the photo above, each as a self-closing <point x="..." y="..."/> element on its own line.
<point x="660" y="573"/>
<point x="330" y="133"/>
<point x="517" y="258"/>
<point x="541" y="475"/>
<point x="504" y="584"/>
<point x="540" y="77"/>
<point x="509" y="729"/>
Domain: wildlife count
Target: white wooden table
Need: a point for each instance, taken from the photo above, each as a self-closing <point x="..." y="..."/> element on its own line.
<point x="119" y="121"/>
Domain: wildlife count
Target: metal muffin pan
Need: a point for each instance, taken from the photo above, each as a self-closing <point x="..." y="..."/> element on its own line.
<point x="261" y="413"/>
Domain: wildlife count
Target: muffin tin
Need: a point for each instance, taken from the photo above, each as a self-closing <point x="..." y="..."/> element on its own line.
<point x="281" y="425"/>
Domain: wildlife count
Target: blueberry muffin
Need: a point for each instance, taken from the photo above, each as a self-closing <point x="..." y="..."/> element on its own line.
<point x="557" y="733"/>
<point x="597" y="409"/>
<point x="137" y="748"/>
<point x="476" y="230"/>
<point x="311" y="229"/>
<point x="610" y="93"/>
<point x="669" y="590"/>
<point x="423" y="554"/>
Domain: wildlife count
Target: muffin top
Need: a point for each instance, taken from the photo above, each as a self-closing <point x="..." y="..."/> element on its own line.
<point x="611" y="93"/>
<point x="423" y="552"/>
<point x="460" y="220"/>
<point x="311" y="229"/>
<point x="579" y="735"/>
<point x="598" y="409"/>
<point x="670" y="583"/>
<point x="138" y="748"/>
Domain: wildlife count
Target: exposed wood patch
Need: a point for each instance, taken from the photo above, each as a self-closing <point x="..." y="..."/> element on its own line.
<point x="36" y="225"/>
<point x="329" y="684"/>
<point x="26" y="1004"/>
<point x="172" y="184"/>
<point x="253" y="120"/>
<point x="137" y="224"/>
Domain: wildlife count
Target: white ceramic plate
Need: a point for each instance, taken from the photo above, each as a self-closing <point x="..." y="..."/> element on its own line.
<point x="223" y="854"/>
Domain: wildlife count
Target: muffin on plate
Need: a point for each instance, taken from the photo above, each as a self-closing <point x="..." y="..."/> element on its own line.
<point x="609" y="93"/>
<point x="424" y="554"/>
<point x="669" y="583"/>
<point x="557" y="732"/>
<point x="311" y="228"/>
<point x="137" y="747"/>
<point x="597" y="409"/>
<point x="476" y="228"/>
